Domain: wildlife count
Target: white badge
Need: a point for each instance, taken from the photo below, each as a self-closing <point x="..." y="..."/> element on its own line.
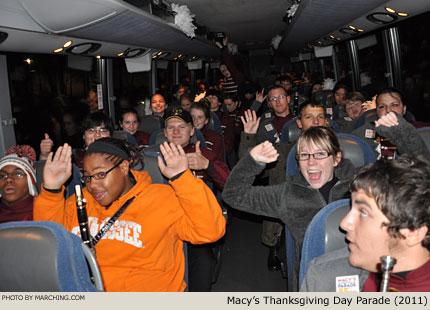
<point x="348" y="119"/>
<point x="329" y="111"/>
<point x="268" y="115"/>
<point x="370" y="134"/>
<point x="268" y="127"/>
<point x="348" y="284"/>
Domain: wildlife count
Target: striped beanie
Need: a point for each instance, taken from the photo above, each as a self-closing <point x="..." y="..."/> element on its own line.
<point x="23" y="157"/>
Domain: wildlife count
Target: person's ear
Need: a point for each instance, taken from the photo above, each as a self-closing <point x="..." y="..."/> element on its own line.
<point x="337" y="159"/>
<point x="124" y="167"/>
<point x="414" y="237"/>
<point x="299" y="123"/>
<point x="192" y="130"/>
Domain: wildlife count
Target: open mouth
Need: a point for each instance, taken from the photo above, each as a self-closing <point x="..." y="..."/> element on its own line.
<point x="99" y="196"/>
<point x="314" y="175"/>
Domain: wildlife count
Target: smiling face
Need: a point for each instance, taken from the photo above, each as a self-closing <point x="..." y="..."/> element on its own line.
<point x="114" y="185"/>
<point x="178" y="132"/>
<point x="214" y="102"/>
<point x="389" y="102"/>
<point x="15" y="187"/>
<point x="339" y="95"/>
<point x="158" y="104"/>
<point x="312" y="117"/>
<point x="317" y="172"/>
<point x="354" y="109"/>
<point x="129" y="123"/>
<point x="199" y="118"/>
<point x="95" y="133"/>
<point x="368" y="237"/>
<point x="224" y="71"/>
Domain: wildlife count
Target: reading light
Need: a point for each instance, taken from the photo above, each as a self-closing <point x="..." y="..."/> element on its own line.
<point x="390" y="10"/>
<point x="83" y="49"/>
<point x="381" y="18"/>
<point x="58" y="50"/>
<point x="403" y="14"/>
<point x="67" y="44"/>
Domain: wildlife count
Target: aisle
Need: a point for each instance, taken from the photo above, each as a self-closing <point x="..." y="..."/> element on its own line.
<point x="244" y="259"/>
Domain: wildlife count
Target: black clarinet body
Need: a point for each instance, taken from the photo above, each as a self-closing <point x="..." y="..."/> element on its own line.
<point x="83" y="218"/>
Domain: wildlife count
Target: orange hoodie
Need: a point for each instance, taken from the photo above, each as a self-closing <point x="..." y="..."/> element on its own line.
<point x="143" y="251"/>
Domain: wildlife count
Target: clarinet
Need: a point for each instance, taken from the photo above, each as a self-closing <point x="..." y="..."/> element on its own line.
<point x="387" y="264"/>
<point x="83" y="218"/>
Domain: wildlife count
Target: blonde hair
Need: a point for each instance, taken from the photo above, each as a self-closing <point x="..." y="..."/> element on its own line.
<point x="323" y="137"/>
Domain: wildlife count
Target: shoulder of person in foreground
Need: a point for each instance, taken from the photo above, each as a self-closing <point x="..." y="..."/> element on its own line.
<point x="322" y="272"/>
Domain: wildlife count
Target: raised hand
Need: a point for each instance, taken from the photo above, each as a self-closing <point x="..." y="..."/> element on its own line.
<point x="250" y="122"/>
<point x="264" y="153"/>
<point x="58" y="167"/>
<point x="176" y="160"/>
<point x="196" y="161"/>
<point x="369" y="104"/>
<point x="45" y="147"/>
<point x="259" y="96"/>
<point x="387" y="120"/>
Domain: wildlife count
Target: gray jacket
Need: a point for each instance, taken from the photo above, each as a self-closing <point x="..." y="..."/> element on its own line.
<point x="404" y="136"/>
<point x="322" y="272"/>
<point x="294" y="201"/>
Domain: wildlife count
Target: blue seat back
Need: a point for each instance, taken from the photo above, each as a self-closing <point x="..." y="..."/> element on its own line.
<point x="42" y="256"/>
<point x="290" y="131"/>
<point x="425" y="134"/>
<point x="323" y="233"/>
<point x="151" y="123"/>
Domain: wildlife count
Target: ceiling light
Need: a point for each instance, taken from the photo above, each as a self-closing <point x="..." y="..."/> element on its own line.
<point x="28" y="60"/>
<point x="67" y="44"/>
<point x="360" y="30"/>
<point x="381" y="18"/>
<point x="83" y="49"/>
<point x="390" y="10"/>
<point x="403" y="14"/>
<point x="98" y="57"/>
<point x="58" y="50"/>
<point x="120" y="54"/>
<point x="352" y="27"/>
<point x="349" y="31"/>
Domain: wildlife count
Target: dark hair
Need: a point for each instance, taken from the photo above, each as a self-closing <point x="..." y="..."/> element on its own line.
<point x="96" y="119"/>
<point x="391" y="91"/>
<point x="203" y="105"/>
<point x="186" y="95"/>
<point x="276" y="87"/>
<point x="214" y="92"/>
<point x="306" y="104"/>
<point x="231" y="96"/>
<point x="401" y="189"/>
<point x="127" y="111"/>
<point x="127" y="150"/>
<point x="339" y="86"/>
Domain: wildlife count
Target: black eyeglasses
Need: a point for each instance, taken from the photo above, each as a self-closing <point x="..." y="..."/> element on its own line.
<point x="99" y="175"/>
<point x="317" y="155"/>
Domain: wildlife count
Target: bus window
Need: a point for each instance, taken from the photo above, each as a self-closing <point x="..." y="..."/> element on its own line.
<point x="415" y="48"/>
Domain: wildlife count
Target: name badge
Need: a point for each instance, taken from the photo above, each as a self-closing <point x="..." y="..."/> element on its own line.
<point x="370" y="134"/>
<point x="268" y="127"/>
<point x="329" y="111"/>
<point x="268" y="115"/>
<point x="350" y="284"/>
<point x="347" y="118"/>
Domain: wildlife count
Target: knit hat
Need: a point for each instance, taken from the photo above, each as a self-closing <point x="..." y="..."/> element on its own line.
<point x="23" y="157"/>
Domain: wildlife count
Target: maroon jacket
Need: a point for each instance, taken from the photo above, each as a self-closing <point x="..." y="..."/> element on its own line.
<point x="217" y="171"/>
<point x="227" y="126"/>
<point x="214" y="142"/>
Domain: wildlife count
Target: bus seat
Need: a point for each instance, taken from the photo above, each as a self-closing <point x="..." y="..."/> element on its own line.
<point x="45" y="257"/>
<point x="124" y="135"/>
<point x="323" y="233"/>
<point x="151" y="123"/>
<point x="290" y="131"/>
<point x="366" y="117"/>
<point x="215" y="124"/>
<point x="425" y="134"/>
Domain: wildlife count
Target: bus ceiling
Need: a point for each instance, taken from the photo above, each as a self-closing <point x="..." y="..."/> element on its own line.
<point x="117" y="27"/>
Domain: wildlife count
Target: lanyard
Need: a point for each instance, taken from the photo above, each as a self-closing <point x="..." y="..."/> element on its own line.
<point x="112" y="220"/>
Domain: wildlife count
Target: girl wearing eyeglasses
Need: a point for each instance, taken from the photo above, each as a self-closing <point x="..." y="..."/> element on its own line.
<point x="142" y="250"/>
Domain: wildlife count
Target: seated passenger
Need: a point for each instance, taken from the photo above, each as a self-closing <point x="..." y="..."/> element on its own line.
<point x="383" y="144"/>
<point x="353" y="106"/>
<point x="186" y="102"/>
<point x="158" y="105"/>
<point x="129" y="122"/>
<point x="201" y="116"/>
<point x="143" y="250"/>
<point x="17" y="184"/>
<point x="324" y="178"/>
<point x="389" y="215"/>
